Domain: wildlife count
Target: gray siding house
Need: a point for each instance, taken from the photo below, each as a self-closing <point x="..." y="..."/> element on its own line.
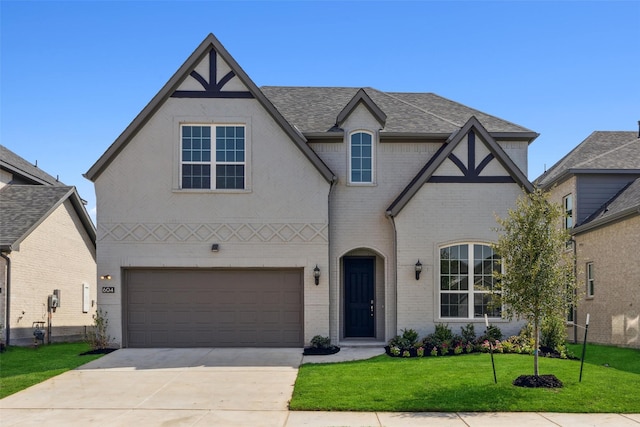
<point x="233" y="215"/>
<point x="598" y="183"/>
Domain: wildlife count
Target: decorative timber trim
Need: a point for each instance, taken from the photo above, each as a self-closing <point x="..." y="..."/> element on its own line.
<point x="213" y="87"/>
<point x="471" y="172"/>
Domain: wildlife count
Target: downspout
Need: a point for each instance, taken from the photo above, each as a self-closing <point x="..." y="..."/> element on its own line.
<point x="575" y="290"/>
<point x="395" y="267"/>
<point x="334" y="181"/>
<point x="7" y="298"/>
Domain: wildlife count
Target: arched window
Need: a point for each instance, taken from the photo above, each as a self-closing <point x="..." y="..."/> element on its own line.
<point x="467" y="285"/>
<point x="361" y="158"/>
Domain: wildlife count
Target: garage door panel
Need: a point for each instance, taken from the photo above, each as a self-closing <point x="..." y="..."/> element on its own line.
<point x="211" y="308"/>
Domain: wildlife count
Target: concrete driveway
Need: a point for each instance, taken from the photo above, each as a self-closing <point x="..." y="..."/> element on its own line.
<point x="164" y="387"/>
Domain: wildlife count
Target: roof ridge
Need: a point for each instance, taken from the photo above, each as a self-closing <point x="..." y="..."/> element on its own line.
<point x="605" y="153"/>
<point x="418" y="108"/>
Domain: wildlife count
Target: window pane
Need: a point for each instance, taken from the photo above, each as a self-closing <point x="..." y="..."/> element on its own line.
<point x="230" y="176"/>
<point x="196" y="176"/>
<point x="454" y="305"/>
<point x="482" y="304"/>
<point x="361" y="157"/>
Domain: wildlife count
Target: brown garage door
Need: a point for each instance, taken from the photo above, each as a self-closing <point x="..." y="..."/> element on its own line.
<point x="213" y="308"/>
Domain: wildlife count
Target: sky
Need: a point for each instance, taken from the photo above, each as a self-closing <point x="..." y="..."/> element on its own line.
<point x="74" y="74"/>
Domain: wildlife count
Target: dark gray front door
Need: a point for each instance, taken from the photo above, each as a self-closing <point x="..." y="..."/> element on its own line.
<point x="359" y="284"/>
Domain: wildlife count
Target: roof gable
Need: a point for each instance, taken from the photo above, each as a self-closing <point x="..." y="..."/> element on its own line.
<point x="361" y="97"/>
<point x="448" y="166"/>
<point x="224" y="78"/>
<point x="25" y="207"/>
<point x="602" y="151"/>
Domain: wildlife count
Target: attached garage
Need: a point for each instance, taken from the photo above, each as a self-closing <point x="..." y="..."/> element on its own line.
<point x="213" y="308"/>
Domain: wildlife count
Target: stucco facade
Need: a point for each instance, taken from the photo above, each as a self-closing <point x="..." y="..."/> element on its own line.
<point x="300" y="207"/>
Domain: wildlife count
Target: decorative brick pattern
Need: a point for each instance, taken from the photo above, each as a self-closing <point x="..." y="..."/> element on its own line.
<point x="229" y="232"/>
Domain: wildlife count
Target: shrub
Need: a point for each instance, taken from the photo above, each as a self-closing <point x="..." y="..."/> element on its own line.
<point x="320" y="342"/>
<point x="553" y="333"/>
<point x="97" y="336"/>
<point x="468" y="333"/>
<point x="492" y="334"/>
<point x="443" y="332"/>
<point x="406" y="341"/>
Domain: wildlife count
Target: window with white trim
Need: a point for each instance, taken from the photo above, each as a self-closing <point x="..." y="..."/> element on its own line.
<point x="468" y="288"/>
<point x="590" y="280"/>
<point x="567" y="202"/>
<point x="224" y="169"/>
<point x="361" y="158"/>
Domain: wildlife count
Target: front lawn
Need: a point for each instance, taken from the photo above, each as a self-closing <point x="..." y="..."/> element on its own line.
<point x="465" y="383"/>
<point x="22" y="367"/>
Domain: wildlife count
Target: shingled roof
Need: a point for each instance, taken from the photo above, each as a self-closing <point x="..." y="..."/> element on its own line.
<point x="623" y="204"/>
<point x="610" y="151"/>
<point x="24" y="207"/>
<point x="314" y="110"/>
<point x="31" y="174"/>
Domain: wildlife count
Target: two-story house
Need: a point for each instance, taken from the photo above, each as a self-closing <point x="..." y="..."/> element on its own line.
<point x="47" y="255"/>
<point x="233" y="215"/>
<point x="598" y="184"/>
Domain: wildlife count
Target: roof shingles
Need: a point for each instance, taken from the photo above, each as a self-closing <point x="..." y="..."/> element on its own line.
<point x="602" y="150"/>
<point x="315" y="109"/>
<point x="25" y="206"/>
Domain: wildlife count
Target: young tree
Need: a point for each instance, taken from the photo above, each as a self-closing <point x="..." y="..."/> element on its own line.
<point x="538" y="280"/>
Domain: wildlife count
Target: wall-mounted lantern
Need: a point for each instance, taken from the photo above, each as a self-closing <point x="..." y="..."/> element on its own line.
<point x="316" y="274"/>
<point x="418" y="269"/>
<point x="105" y="277"/>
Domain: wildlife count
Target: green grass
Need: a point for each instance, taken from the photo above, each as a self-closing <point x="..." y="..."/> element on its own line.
<point x="22" y="367"/>
<point x="465" y="383"/>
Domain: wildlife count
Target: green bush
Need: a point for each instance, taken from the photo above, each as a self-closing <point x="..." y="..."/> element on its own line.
<point x="406" y="341"/>
<point x="320" y="342"/>
<point x="468" y="333"/>
<point x="553" y="333"/>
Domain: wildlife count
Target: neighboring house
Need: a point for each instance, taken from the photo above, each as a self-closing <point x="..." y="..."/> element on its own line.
<point x="232" y="215"/>
<point x="598" y="183"/>
<point x="47" y="244"/>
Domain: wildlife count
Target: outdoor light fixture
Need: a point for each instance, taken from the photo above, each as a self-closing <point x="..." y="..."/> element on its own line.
<point x="316" y="274"/>
<point x="418" y="269"/>
<point x="215" y="247"/>
<point x="105" y="277"/>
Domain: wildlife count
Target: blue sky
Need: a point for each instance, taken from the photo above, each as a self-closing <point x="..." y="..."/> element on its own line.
<point x="75" y="74"/>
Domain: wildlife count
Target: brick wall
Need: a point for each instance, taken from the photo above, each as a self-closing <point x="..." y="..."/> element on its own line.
<point x="615" y="307"/>
<point x="57" y="255"/>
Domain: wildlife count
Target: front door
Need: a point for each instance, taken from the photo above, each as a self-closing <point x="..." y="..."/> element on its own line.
<point x="359" y="310"/>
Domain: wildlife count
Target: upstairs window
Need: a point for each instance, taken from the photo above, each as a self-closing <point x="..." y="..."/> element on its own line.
<point x="225" y="169"/>
<point x="467" y="286"/>
<point x="567" y="201"/>
<point x="590" y="280"/>
<point x="361" y="158"/>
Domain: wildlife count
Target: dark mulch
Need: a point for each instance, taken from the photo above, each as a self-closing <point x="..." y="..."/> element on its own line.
<point x="315" y="351"/>
<point x="532" y="381"/>
<point x="99" y="351"/>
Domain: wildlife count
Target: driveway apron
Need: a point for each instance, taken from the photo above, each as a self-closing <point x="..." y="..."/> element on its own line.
<point x="201" y="386"/>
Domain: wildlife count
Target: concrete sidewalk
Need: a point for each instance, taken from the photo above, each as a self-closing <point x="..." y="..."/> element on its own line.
<point x="224" y="387"/>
